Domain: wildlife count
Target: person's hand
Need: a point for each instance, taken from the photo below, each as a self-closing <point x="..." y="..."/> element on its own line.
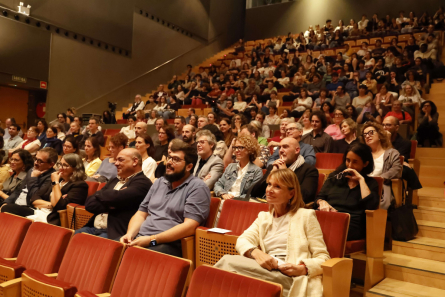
<point x="55" y="176"/>
<point x="64" y="196"/>
<point x="354" y="174"/>
<point x="207" y="177"/>
<point x="279" y="164"/>
<point x="292" y="269"/>
<point x="407" y="164"/>
<point x="227" y="196"/>
<point x="233" y="142"/>
<point x="142" y="241"/>
<point x="264" y="260"/>
<point x="96" y="176"/>
<point x="126" y="239"/>
<point x="36" y="173"/>
<point x="324" y="206"/>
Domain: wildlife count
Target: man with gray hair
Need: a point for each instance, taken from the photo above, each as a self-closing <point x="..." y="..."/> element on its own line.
<point x="202" y="121"/>
<point x="275" y="141"/>
<point x="137" y="105"/>
<point x="295" y="130"/>
<point x="209" y="167"/>
<point x="115" y="204"/>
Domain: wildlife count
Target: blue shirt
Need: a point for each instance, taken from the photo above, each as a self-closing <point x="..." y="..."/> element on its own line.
<point x="306" y="150"/>
<point x="169" y="207"/>
<point x="334" y="86"/>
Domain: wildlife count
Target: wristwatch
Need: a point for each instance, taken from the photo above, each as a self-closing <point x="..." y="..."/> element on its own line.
<point x="53" y="183"/>
<point x="153" y="242"/>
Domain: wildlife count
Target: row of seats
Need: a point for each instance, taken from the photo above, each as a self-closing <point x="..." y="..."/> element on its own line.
<point x="52" y="263"/>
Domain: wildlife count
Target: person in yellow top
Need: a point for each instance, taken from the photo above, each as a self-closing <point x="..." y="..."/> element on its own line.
<point x="92" y="162"/>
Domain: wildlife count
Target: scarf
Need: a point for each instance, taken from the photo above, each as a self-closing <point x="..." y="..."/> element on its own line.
<point x="299" y="162"/>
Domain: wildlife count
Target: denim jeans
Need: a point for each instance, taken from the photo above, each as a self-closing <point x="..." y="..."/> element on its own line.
<point x="93" y="231"/>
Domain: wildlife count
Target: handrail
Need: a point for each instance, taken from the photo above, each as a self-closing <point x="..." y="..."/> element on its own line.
<point x="151" y="70"/>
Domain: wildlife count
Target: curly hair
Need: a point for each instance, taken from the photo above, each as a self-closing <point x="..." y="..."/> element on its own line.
<point x="383" y="135"/>
<point x="119" y="139"/>
<point x="26" y="158"/>
<point x="251" y="145"/>
<point x="243" y="120"/>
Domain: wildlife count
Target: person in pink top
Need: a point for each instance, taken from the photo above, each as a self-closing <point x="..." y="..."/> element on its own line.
<point x="334" y="130"/>
<point x="404" y="117"/>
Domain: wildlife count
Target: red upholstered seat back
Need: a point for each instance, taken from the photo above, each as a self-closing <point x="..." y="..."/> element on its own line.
<point x="239" y="215"/>
<point x="321" y="178"/>
<point x="101" y="185"/>
<point x="44" y="247"/>
<point x="209" y="281"/>
<point x="12" y="233"/>
<point x="328" y="160"/>
<point x="334" y="226"/>
<point x="412" y="154"/>
<point x="90" y="263"/>
<point x="147" y="273"/>
<point x="92" y="187"/>
<point x="214" y="205"/>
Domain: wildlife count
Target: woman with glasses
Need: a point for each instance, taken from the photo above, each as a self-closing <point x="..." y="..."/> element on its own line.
<point x="284" y="245"/>
<point x="20" y="162"/>
<point x="52" y="141"/>
<point x="144" y="145"/>
<point x="387" y="163"/>
<point x="32" y="143"/>
<point x="334" y="130"/>
<point x="166" y="134"/>
<point x="349" y="189"/>
<point x="70" y="145"/>
<point x="67" y="186"/>
<point x="428" y="125"/>
<point x="107" y="170"/>
<point x="92" y="161"/>
<point x="240" y="176"/>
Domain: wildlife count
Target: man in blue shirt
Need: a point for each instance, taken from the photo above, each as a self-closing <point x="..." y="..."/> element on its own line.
<point x="174" y="207"/>
<point x="295" y="130"/>
<point x="332" y="87"/>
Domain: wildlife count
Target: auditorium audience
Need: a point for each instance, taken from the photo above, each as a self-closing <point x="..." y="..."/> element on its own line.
<point x="159" y="226"/>
<point x="129" y="130"/>
<point x="92" y="160"/>
<point x="139" y="128"/>
<point x="386" y="159"/>
<point x="369" y="113"/>
<point x="115" y="204"/>
<point x="107" y="170"/>
<point x="42" y="125"/>
<point x="92" y="131"/>
<point x="350" y="189"/>
<point x="137" y="105"/>
<point x="396" y="111"/>
<point x="334" y="130"/>
<point x="348" y="129"/>
<point x="144" y="145"/>
<point x="209" y="166"/>
<point x="13" y="139"/>
<point x="428" y="129"/>
<point x="165" y="134"/>
<point x="21" y="162"/>
<point x="259" y="247"/>
<point x="52" y="141"/>
<point x="317" y="138"/>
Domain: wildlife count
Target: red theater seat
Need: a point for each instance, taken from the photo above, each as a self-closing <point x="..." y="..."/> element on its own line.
<point x="12" y="233"/>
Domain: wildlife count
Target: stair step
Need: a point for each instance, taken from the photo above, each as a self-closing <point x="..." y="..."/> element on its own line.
<point x="431" y="229"/>
<point x="432" y="192"/>
<point x="430" y="214"/>
<point x="430" y="152"/>
<point x="432" y="171"/>
<point x="414" y="270"/>
<point x="395" y="288"/>
<point x="421" y="247"/>
<point x="431" y="161"/>
<point x="432" y="202"/>
<point x="431" y="181"/>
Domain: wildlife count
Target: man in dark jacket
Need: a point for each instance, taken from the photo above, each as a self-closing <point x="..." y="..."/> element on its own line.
<point x="118" y="201"/>
<point x="39" y="177"/>
<point x="290" y="158"/>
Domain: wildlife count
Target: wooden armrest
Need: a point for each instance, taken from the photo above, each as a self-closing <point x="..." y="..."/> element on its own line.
<point x="103" y="295"/>
<point x="215" y="246"/>
<point x="375" y="232"/>
<point x="11" y="259"/>
<point x="63" y="218"/>
<point x="397" y="188"/>
<point x="212" y="194"/>
<point x="52" y="275"/>
<point x="337" y="275"/>
<point x="415" y="164"/>
<point x="188" y="248"/>
<point x="326" y="171"/>
<point x="12" y="288"/>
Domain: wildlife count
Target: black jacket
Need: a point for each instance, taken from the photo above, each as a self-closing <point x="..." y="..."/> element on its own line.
<point x="54" y="143"/>
<point x="403" y="146"/>
<point x="33" y="184"/>
<point x="77" y="192"/>
<point x="99" y="136"/>
<point x="307" y="176"/>
<point x="120" y="205"/>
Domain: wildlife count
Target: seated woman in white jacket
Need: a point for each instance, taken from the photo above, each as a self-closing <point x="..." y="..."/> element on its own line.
<point x="284" y="245"/>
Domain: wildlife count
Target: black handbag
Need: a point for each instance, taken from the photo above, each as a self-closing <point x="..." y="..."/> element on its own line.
<point x="403" y="221"/>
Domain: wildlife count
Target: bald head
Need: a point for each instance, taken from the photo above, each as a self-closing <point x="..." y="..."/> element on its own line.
<point x="128" y="162"/>
<point x="140" y="128"/>
<point x="289" y="150"/>
<point x="391" y="124"/>
<point x="188" y="134"/>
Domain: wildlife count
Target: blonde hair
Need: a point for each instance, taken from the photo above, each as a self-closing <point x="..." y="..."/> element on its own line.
<point x="251" y="145"/>
<point x="287" y="178"/>
<point x="352" y="125"/>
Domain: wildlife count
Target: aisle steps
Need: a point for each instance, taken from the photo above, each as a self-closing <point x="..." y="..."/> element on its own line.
<point x="421" y="247"/>
<point x="391" y="287"/>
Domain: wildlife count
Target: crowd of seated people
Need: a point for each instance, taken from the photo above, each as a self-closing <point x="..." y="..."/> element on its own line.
<point x="158" y="186"/>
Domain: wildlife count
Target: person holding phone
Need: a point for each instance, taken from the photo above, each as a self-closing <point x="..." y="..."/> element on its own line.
<point x="369" y="113"/>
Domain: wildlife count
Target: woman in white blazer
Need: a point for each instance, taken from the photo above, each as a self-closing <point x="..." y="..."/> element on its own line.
<point x="284" y="245"/>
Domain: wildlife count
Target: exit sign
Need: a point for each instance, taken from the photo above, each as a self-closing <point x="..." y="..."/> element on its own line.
<point x="43" y="84"/>
<point x="19" y="79"/>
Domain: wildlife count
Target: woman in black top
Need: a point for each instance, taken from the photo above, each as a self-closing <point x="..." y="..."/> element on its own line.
<point x="51" y="140"/>
<point x="166" y="134"/>
<point x="349" y="190"/>
<point x="348" y="129"/>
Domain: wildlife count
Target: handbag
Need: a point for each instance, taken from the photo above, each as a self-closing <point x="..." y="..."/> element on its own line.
<point x="403" y="222"/>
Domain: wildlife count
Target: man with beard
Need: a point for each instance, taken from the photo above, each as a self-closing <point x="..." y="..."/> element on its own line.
<point x="188" y="135"/>
<point x="174" y="207"/>
<point x="139" y="129"/>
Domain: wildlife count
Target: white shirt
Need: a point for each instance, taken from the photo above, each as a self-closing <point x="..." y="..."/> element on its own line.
<point x="235" y="189"/>
<point x="275" y="240"/>
<point x="29" y="145"/>
<point x="127" y="131"/>
<point x="378" y="166"/>
<point x="149" y="167"/>
<point x="399" y="20"/>
<point x="363" y="24"/>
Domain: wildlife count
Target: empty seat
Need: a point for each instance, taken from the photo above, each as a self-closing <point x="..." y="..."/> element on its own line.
<point x="210" y="281"/>
<point x="148" y="273"/>
<point x="92" y="187"/>
<point x="328" y="162"/>
<point x="12" y="233"/>
<point x="90" y="263"/>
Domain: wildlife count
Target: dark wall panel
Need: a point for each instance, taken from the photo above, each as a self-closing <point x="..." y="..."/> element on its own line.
<point x="107" y="20"/>
<point x="295" y="17"/>
<point x="24" y="50"/>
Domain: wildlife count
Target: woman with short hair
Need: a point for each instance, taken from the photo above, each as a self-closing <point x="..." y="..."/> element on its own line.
<point x="334" y="130"/>
<point x="32" y="143"/>
<point x="348" y="129"/>
<point x="287" y="232"/>
<point x="52" y="141"/>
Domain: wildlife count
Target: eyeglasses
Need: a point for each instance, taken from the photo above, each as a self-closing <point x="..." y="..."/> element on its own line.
<point x="63" y="165"/>
<point x="238" y="148"/>
<point x="40" y="161"/>
<point x="201" y="142"/>
<point x="12" y="160"/>
<point x="175" y="160"/>
<point x="67" y="146"/>
<point x="290" y="129"/>
<point x="369" y="133"/>
<point x="338" y="115"/>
